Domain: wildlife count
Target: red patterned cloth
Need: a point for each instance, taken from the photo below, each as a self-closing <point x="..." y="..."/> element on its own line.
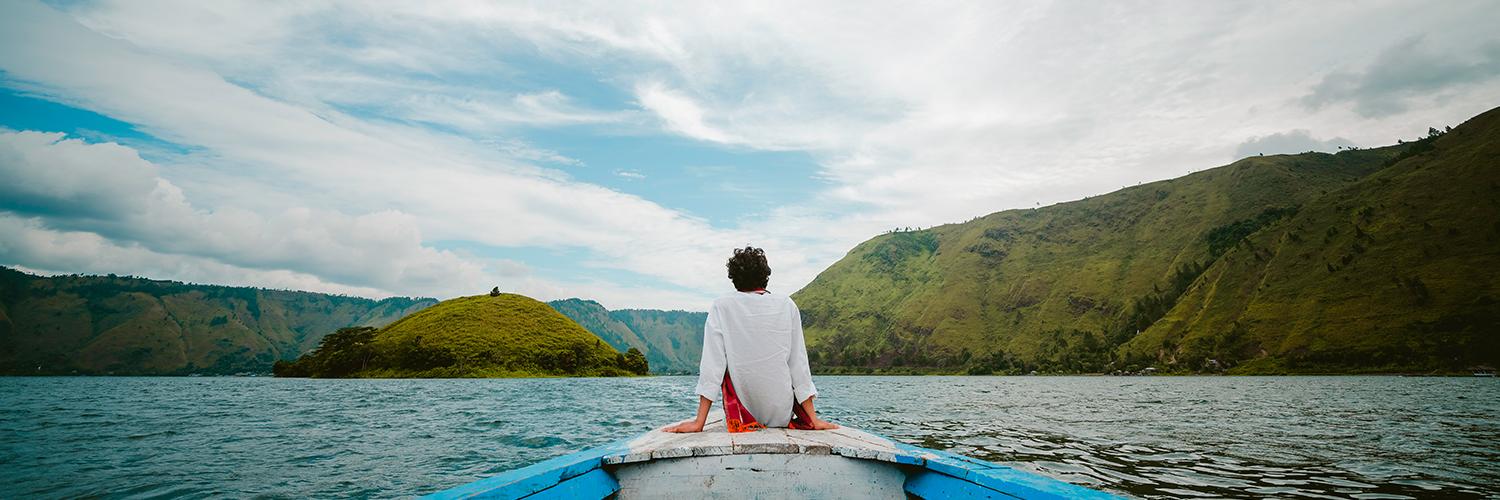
<point x="738" y="419"/>
<point x="800" y="420"/>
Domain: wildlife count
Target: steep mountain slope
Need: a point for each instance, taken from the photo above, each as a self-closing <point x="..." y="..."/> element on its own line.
<point x="675" y="336"/>
<point x="120" y="325"/>
<point x="1397" y="272"/>
<point x="1054" y="288"/>
<point x="482" y="336"/>
<point x="595" y="318"/>
<point x="671" y="340"/>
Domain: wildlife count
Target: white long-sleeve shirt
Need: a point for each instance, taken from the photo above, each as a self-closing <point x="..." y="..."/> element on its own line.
<point x="757" y="337"/>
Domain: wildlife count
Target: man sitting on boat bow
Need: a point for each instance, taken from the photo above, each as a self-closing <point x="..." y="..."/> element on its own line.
<point x="754" y="356"/>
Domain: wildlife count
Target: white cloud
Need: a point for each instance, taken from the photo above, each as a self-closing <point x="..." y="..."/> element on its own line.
<point x="1295" y="141"/>
<point x="108" y="190"/>
<point x="47" y="251"/>
<point x="67" y="178"/>
<point x="153" y="232"/>
<point x="50" y="251"/>
<point x="679" y="113"/>
<point x="1405" y="72"/>
<point x="917" y="116"/>
<point x="550" y="108"/>
<point x="520" y="150"/>
<point x="453" y="190"/>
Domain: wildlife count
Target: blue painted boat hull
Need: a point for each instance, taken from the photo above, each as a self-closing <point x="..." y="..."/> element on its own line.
<point x="723" y="466"/>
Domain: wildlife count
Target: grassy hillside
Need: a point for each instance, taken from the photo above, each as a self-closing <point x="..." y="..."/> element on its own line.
<point x="1061" y="288"/>
<point x="123" y="325"/>
<point x="671" y="340"/>
<point x="480" y="336"/>
<point x="1397" y="272"/>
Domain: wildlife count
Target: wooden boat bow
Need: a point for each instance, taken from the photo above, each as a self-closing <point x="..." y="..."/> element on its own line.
<point x="839" y="463"/>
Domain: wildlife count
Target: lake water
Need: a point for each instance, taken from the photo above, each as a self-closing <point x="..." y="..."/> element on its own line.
<point x="1345" y="437"/>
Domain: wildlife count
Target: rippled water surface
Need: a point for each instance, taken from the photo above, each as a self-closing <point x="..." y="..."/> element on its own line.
<point x="1344" y="437"/>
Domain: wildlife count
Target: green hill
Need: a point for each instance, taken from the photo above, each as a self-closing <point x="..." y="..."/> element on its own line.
<point x="136" y="326"/>
<point x="481" y="336"/>
<point x="1397" y="272"/>
<point x="671" y="340"/>
<point x="1063" y="288"/>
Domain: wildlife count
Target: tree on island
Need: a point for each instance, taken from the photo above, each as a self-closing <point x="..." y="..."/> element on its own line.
<point x="340" y="354"/>
<point x="635" y="362"/>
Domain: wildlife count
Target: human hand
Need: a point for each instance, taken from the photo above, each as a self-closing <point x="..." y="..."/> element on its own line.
<point x="686" y="426"/>
<point x="819" y="424"/>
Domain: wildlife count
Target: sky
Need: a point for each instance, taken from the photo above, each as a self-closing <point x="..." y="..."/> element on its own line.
<point x="619" y="151"/>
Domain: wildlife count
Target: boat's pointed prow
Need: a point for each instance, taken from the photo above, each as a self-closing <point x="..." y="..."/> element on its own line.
<point x="840" y="463"/>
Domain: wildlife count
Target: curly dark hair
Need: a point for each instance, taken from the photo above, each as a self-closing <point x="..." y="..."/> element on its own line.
<point x="748" y="269"/>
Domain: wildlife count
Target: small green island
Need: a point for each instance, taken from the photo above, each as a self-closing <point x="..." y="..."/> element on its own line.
<point x="495" y="335"/>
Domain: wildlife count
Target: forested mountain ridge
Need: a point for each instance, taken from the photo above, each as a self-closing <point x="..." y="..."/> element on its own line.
<point x="1067" y="288"/>
<point x="126" y="325"/>
<point x="671" y="340"/>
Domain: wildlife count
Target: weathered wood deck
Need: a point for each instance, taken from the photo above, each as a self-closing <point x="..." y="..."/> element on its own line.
<point x="769" y="463"/>
<point x="844" y="441"/>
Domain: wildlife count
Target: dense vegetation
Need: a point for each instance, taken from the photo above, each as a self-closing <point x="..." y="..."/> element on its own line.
<point x="672" y="340"/>
<point x="1366" y="260"/>
<point x="135" y="326"/>
<point x="497" y="335"/>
